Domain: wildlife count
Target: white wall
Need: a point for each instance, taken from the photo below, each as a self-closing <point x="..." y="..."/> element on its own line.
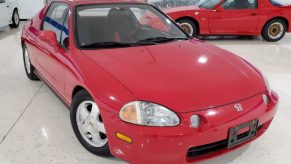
<point x="28" y="8"/>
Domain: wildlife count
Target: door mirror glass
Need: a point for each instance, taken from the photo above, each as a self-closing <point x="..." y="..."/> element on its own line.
<point x="50" y="38"/>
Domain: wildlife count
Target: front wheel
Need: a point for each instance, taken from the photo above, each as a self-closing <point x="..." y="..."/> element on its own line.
<point x="88" y="125"/>
<point x="15" y="19"/>
<point x="188" y="26"/>
<point x="29" y="69"/>
<point x="274" y="30"/>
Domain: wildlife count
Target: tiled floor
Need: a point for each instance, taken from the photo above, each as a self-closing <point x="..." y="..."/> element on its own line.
<point x="35" y="125"/>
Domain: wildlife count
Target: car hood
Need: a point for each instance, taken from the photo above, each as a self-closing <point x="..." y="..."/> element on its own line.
<point x="184" y="76"/>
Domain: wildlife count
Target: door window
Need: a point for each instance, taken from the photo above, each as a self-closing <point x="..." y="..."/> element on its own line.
<point x="208" y="4"/>
<point x="240" y="4"/>
<point x="56" y="20"/>
<point x="281" y="2"/>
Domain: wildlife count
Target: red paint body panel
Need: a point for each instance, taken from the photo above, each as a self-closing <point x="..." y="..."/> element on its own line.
<point x="184" y="76"/>
<point x="170" y="145"/>
<point x="236" y="22"/>
<point x="189" y="77"/>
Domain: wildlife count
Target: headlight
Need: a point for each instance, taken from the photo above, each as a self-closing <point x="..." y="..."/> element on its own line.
<point x="148" y="114"/>
<point x="267" y="84"/>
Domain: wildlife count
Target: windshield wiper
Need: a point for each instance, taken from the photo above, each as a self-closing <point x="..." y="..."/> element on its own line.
<point x="160" y="40"/>
<point x="148" y="41"/>
<point x="105" y="45"/>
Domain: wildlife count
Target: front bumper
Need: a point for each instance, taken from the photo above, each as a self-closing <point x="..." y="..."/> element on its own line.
<point x="180" y="144"/>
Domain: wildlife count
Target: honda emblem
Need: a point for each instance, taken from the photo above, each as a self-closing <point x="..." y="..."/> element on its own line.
<point x="238" y="107"/>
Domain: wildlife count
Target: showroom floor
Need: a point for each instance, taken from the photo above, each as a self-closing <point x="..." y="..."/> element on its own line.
<point x="35" y="125"/>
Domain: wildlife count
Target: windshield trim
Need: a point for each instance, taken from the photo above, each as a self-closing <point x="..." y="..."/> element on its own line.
<point x="75" y="27"/>
<point x="129" y="45"/>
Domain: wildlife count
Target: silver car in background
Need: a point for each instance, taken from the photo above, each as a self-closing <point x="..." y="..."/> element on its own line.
<point x="9" y="13"/>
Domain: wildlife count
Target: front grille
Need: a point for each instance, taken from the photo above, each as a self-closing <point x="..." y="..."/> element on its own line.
<point x="213" y="147"/>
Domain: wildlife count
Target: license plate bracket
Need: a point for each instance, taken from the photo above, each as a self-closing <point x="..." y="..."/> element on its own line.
<point x="235" y="138"/>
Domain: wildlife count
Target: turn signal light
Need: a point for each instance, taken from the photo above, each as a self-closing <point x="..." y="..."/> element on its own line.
<point x="124" y="137"/>
<point x="129" y="113"/>
<point x="266" y="99"/>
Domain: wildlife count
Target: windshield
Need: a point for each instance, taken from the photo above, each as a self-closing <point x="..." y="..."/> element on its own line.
<point x="281" y="2"/>
<point x="208" y="4"/>
<point x="120" y="25"/>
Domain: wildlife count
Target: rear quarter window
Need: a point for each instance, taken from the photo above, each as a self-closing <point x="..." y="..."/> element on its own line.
<point x="100" y="12"/>
<point x="281" y="2"/>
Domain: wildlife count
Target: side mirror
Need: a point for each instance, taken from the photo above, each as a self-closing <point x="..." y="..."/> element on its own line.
<point x="50" y="38"/>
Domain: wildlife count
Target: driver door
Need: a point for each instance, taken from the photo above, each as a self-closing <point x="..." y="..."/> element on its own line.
<point x="53" y="61"/>
<point x="4" y="16"/>
<point x="235" y="17"/>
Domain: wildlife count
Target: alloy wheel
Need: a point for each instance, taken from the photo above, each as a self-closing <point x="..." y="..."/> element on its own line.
<point x="187" y="28"/>
<point x="90" y="124"/>
<point x="27" y="61"/>
<point x="276" y="30"/>
<point x="16" y="18"/>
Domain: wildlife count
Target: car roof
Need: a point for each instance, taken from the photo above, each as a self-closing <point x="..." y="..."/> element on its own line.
<point x="77" y="2"/>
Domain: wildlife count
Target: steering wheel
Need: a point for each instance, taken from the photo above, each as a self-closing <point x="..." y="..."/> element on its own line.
<point x="143" y="32"/>
<point x="138" y="32"/>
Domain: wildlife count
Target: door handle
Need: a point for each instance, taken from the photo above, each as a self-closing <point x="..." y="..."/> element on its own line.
<point x="253" y="14"/>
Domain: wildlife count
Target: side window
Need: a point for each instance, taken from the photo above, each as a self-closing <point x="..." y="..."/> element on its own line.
<point x="55" y="20"/>
<point x="240" y="4"/>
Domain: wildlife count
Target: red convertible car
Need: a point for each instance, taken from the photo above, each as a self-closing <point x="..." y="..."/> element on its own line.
<point x="140" y="92"/>
<point x="269" y="18"/>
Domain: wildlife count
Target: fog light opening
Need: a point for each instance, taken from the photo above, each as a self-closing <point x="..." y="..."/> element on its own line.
<point x="195" y="121"/>
<point x="124" y="137"/>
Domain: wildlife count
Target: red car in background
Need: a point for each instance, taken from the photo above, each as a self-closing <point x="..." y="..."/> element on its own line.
<point x="269" y="18"/>
<point x="139" y="88"/>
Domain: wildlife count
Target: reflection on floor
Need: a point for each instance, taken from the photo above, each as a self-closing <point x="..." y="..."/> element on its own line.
<point x="37" y="129"/>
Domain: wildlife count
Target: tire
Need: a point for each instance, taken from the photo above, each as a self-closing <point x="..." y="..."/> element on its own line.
<point x="274" y="30"/>
<point x="28" y="67"/>
<point x="83" y="121"/>
<point x="189" y="27"/>
<point x="15" y="19"/>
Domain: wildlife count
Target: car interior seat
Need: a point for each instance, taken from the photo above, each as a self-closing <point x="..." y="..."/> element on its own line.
<point x="241" y="4"/>
<point x="120" y="23"/>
